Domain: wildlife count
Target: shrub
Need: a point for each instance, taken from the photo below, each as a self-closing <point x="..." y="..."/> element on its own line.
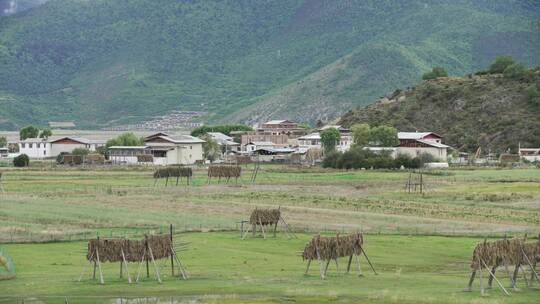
<point x="500" y="64"/>
<point x="331" y="159"/>
<point x="533" y="94"/>
<point x="514" y="71"/>
<point x="435" y="72"/>
<point x="21" y="161"/>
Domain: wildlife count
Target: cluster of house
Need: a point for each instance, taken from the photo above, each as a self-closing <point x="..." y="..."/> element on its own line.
<point x="274" y="140"/>
<point x="282" y="139"/>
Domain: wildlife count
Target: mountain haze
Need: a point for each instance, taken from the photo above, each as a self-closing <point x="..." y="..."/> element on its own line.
<point x="107" y="62"/>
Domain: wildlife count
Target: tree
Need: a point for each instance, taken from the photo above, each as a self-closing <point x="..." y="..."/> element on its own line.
<point x="514" y="71"/>
<point x="80" y="151"/>
<point x="500" y="64"/>
<point x="210" y="148"/>
<point x="21" y="161"/>
<point x="28" y="132"/>
<point x="45" y="133"/>
<point x="361" y="134"/>
<point x="125" y="139"/>
<point x="435" y="72"/>
<point x="329" y="139"/>
<point x="3" y="142"/>
<point x="384" y="136"/>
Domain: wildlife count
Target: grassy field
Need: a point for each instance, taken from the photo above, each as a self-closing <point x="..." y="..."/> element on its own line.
<point x="412" y="269"/>
<point x="421" y="243"/>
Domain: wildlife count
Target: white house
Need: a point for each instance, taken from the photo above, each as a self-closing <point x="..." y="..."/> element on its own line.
<point x="530" y="154"/>
<point x="226" y="142"/>
<point x="4" y="152"/>
<point x="52" y="147"/>
<point x="184" y="149"/>
<point x="313" y="140"/>
<point x="35" y="147"/>
<point x="128" y="154"/>
<point x="258" y="145"/>
<point x="415" y="143"/>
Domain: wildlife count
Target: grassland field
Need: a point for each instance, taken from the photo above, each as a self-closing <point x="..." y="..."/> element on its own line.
<point x="420" y="244"/>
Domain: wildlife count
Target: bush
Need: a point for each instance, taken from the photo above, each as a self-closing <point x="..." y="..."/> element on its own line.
<point x="435" y="72"/>
<point x="533" y="94"/>
<point x="21" y="161"/>
<point x="500" y="64"/>
<point x="514" y="71"/>
<point x="331" y="159"/>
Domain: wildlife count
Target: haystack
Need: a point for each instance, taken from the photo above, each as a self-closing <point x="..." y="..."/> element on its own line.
<point x="224" y="171"/>
<point x="331" y="248"/>
<point x="265" y="217"/>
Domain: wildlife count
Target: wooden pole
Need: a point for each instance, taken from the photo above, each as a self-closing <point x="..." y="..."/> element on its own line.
<point x="490" y="280"/>
<point x="514" y="276"/>
<point x="357" y="263"/>
<point x="524" y="276"/>
<point x="349" y="264"/>
<point x="496" y="280"/>
<point x="481" y="280"/>
<point x="326" y="267"/>
<point x="369" y="262"/>
<point x="262" y="228"/>
<point x="319" y="260"/>
<point x="140" y="264"/>
<point x="471" y="280"/>
<point x="84" y="268"/>
<point x="307" y="268"/>
<point x="172" y="258"/>
<point x="530" y="265"/>
<point x="180" y="266"/>
<point x="125" y="262"/>
<point x="121" y="269"/>
<point x="154" y="263"/>
<point x="99" y="266"/>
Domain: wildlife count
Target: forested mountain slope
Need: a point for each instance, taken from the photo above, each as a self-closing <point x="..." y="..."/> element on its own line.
<point x="106" y="62"/>
<point x="488" y="111"/>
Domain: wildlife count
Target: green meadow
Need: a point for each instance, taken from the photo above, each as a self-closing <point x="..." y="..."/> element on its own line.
<point x="420" y="243"/>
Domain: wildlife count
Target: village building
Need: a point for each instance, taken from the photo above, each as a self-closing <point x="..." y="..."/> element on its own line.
<point x="130" y="155"/>
<point x="180" y="150"/>
<point x="313" y="140"/>
<point x="52" y="147"/>
<point x="4" y="152"/>
<point x="226" y="142"/>
<point x="529" y="154"/>
<point x="281" y="127"/>
<point x="416" y="143"/>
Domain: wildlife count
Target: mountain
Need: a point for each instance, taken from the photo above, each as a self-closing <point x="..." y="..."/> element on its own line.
<point x="8" y="7"/>
<point x="109" y="62"/>
<point x="488" y="111"/>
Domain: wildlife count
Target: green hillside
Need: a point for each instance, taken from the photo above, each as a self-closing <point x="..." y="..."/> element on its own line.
<point x="488" y="111"/>
<point x="106" y="62"/>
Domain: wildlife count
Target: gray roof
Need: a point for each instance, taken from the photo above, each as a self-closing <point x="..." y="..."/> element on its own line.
<point x="129" y="147"/>
<point x="182" y="139"/>
<point x="415" y="135"/>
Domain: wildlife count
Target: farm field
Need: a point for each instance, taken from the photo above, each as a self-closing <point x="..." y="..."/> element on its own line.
<point x="420" y="243"/>
<point x="224" y="268"/>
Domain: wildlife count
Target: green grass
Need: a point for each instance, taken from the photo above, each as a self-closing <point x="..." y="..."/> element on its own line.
<point x="420" y="243"/>
<point x="223" y="267"/>
<point x="61" y="203"/>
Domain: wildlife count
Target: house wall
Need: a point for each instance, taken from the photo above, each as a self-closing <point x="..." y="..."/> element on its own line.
<point x="438" y="153"/>
<point x="57" y="148"/>
<point x="38" y="150"/>
<point x="185" y="154"/>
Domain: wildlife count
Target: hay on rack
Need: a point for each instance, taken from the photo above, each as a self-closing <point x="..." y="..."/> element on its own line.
<point x="95" y="159"/>
<point x="173" y="171"/>
<point x="224" y="171"/>
<point x="110" y="249"/>
<point x="333" y="247"/>
<point x="265" y="217"/>
<point x="499" y="252"/>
